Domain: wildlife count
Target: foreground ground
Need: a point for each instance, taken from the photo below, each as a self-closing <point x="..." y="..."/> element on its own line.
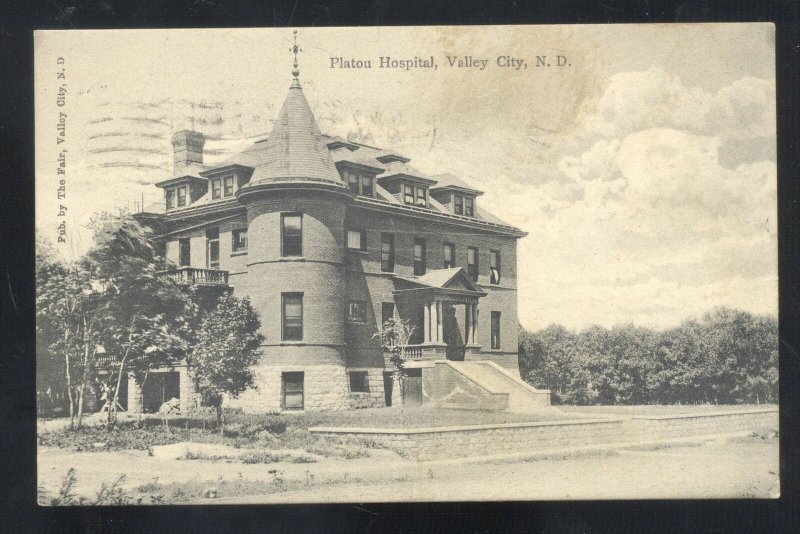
<point x="284" y="463"/>
<point x="729" y="467"/>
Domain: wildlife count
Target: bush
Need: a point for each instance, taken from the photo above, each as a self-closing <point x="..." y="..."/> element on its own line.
<point x="261" y="457"/>
<point x="120" y="437"/>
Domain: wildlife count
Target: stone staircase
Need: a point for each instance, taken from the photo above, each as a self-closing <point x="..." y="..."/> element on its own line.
<point x="522" y="397"/>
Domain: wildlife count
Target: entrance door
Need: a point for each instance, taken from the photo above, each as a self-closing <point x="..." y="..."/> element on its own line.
<point x="388" y="387"/>
<point x="412" y="388"/>
<point x="159" y="388"/>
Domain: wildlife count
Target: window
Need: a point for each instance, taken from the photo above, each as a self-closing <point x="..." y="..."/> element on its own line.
<point x="292" y="390"/>
<point x="352" y="181"/>
<point x="357" y="311"/>
<point x="387" y="253"/>
<point x="212" y="248"/>
<point x="387" y="312"/>
<point x="357" y="240"/>
<point x="228" y="186"/>
<point x="495" y="329"/>
<point x="449" y="255"/>
<point x="469" y="206"/>
<point x="216" y="188"/>
<point x="419" y="256"/>
<point x="472" y="263"/>
<point x="494" y="266"/>
<point x="422" y="197"/>
<point x="184" y="252"/>
<point x="408" y="194"/>
<point x="182" y="196"/>
<point x="170" y="198"/>
<point x="366" y="186"/>
<point x="239" y="240"/>
<point x="292" y="316"/>
<point x="359" y="382"/>
<point x="292" y="234"/>
<point x="458" y="204"/>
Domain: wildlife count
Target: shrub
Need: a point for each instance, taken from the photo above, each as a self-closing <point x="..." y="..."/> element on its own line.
<point x="261" y="457"/>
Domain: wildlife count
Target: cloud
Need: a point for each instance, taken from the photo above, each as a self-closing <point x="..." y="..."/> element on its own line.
<point x="649" y="223"/>
<point x="654" y="98"/>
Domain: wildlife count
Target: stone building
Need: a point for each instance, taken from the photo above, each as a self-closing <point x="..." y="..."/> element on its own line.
<point x="329" y="238"/>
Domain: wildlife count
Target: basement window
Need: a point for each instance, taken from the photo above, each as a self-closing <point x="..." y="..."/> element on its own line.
<point x="359" y="382"/>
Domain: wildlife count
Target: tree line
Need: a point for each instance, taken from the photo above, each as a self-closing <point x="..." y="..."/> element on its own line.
<point x="727" y="356"/>
<point x="112" y="313"/>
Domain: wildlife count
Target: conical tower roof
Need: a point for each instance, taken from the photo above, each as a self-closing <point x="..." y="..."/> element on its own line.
<point x="295" y="150"/>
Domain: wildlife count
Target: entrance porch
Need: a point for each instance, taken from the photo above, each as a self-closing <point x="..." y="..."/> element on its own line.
<point x="442" y="305"/>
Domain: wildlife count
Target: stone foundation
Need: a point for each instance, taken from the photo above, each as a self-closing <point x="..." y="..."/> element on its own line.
<point x="325" y="387"/>
<point x="375" y="398"/>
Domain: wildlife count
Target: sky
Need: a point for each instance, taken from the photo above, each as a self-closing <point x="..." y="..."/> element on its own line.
<point x="644" y="171"/>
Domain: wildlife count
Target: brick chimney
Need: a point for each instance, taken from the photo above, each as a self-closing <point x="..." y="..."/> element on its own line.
<point x="188" y="147"/>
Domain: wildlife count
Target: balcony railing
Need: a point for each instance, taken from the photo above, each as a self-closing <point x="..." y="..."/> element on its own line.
<point x="200" y="277"/>
<point x="413" y="352"/>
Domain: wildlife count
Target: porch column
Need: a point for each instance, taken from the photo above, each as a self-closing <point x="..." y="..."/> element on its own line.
<point x="467" y="323"/>
<point x="440" y="321"/>
<point x="474" y="323"/>
<point x="434" y="321"/>
<point x="426" y="322"/>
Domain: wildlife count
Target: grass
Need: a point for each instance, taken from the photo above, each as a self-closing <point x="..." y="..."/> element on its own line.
<point x="285" y="431"/>
<point x="268" y="437"/>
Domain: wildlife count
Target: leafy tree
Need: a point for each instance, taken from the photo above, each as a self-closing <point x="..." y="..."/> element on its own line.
<point x="727" y="356"/>
<point x="225" y="349"/>
<point x="394" y="336"/>
<point x="145" y="318"/>
<point x="57" y="307"/>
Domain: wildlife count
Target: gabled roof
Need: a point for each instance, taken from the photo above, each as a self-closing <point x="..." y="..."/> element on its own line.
<point x="454" y="279"/>
<point x="295" y="149"/>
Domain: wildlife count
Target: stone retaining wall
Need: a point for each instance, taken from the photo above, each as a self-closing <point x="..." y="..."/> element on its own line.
<point x="426" y="444"/>
<point x="644" y="428"/>
<point x="483" y="440"/>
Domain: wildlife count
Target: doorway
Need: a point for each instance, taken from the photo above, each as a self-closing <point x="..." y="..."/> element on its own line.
<point x="412" y="388"/>
<point x="159" y="388"/>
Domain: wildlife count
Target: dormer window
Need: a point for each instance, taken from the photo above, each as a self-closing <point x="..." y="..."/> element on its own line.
<point x="222" y="187"/>
<point x="181" y="196"/>
<point x="469" y="206"/>
<point x="352" y="182"/>
<point x="458" y="204"/>
<point x="170" y="193"/>
<point x="422" y="197"/>
<point x="359" y="184"/>
<point x="408" y="194"/>
<point x="366" y="186"/>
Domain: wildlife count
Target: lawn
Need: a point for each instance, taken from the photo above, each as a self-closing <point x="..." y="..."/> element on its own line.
<point x="271" y="432"/>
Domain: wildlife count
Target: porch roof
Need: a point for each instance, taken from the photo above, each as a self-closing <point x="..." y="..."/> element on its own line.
<point x="453" y="281"/>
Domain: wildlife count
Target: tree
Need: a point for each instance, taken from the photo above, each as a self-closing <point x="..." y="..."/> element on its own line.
<point x="57" y="299"/>
<point x="548" y="359"/>
<point x="225" y="350"/>
<point x="144" y="318"/>
<point x="393" y="336"/>
<point x="727" y="356"/>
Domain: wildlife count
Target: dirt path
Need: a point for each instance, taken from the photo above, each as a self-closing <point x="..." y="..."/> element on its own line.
<point x="741" y="468"/>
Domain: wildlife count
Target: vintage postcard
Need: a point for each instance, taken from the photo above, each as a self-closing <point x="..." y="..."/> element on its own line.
<point x="406" y="264"/>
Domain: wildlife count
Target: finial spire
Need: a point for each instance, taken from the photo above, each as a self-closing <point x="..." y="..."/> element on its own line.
<point x="295" y="50"/>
